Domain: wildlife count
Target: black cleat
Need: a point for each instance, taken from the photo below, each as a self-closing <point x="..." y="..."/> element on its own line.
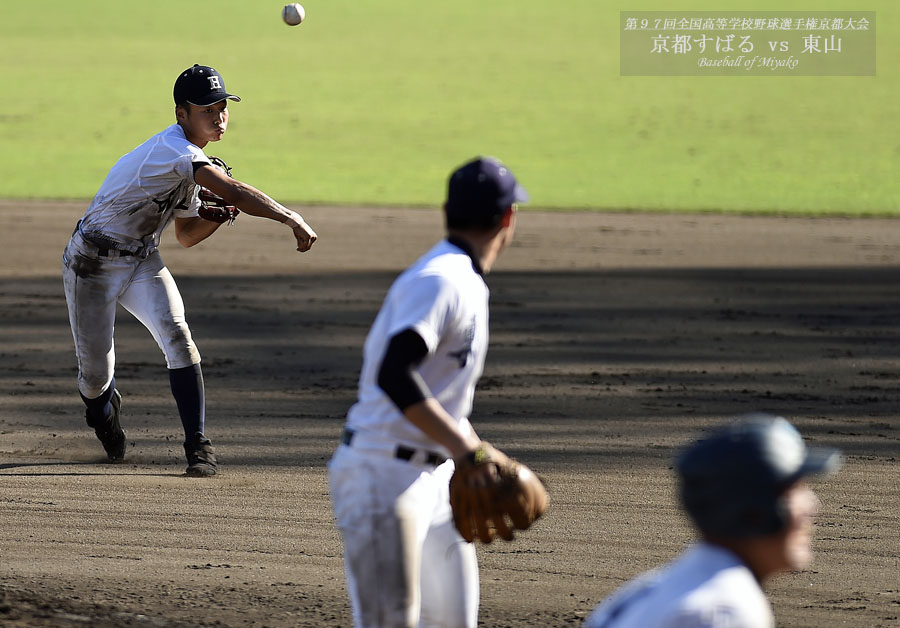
<point x="201" y="457"/>
<point x="110" y="432"/>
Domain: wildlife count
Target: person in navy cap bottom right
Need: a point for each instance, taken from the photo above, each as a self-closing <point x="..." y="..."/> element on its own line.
<point x="744" y="489"/>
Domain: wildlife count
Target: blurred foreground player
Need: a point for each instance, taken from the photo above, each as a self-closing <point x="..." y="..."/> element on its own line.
<point x="406" y="558"/>
<point x="744" y="490"/>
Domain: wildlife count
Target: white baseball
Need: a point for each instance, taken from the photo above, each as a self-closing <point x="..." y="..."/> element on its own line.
<point x="293" y="13"/>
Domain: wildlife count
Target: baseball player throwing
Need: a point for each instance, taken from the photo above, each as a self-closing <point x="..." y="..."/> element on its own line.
<point x="112" y="258"/>
<point x="744" y="490"/>
<point x="405" y="561"/>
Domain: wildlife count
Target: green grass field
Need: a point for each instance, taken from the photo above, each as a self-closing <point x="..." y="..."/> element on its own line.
<point x="374" y="102"/>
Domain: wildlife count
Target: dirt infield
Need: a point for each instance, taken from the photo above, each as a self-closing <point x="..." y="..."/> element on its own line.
<point x="614" y="339"/>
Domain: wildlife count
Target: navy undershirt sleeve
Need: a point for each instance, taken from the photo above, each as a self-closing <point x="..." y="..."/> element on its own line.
<point x="397" y="376"/>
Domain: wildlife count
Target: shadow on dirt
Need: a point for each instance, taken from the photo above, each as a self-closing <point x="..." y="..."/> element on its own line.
<point x="605" y="353"/>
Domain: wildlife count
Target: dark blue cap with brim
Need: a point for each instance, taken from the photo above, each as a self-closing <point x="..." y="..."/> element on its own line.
<point x="201" y="85"/>
<point x="482" y="188"/>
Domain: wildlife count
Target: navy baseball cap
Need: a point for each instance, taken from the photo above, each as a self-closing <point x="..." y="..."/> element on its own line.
<point x="201" y="85"/>
<point x="482" y="190"/>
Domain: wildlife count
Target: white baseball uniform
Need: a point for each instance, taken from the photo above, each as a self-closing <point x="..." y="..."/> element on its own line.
<point x="112" y="257"/>
<point x="405" y="563"/>
<point x="706" y="587"/>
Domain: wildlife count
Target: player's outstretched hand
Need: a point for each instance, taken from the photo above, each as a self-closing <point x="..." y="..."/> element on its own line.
<point x="305" y="235"/>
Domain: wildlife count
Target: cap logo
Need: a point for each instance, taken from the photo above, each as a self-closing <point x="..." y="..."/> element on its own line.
<point x="214" y="83"/>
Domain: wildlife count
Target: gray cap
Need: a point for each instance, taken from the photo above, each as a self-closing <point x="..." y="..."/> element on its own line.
<point x="732" y="480"/>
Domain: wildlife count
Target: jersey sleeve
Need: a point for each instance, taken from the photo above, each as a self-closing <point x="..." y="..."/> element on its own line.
<point x="424" y="304"/>
<point x="622" y="601"/>
<point x="185" y="167"/>
<point x="714" y="617"/>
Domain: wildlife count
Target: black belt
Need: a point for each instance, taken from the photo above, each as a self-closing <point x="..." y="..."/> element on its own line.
<point x="105" y="252"/>
<point x="102" y="251"/>
<point x="402" y="453"/>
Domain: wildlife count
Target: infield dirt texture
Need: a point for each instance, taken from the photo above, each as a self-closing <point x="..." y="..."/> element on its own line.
<point x="615" y="339"/>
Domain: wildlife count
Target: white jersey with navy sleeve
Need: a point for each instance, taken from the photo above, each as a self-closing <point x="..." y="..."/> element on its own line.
<point x="405" y="563"/>
<point x="144" y="191"/>
<point x="706" y="587"/>
<point x="443" y="299"/>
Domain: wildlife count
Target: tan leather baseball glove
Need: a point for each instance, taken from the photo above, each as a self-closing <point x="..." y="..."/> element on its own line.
<point x="212" y="206"/>
<point x="491" y="495"/>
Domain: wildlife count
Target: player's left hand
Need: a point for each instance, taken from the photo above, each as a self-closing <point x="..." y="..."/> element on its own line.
<point x="491" y="495"/>
<point x="305" y="235"/>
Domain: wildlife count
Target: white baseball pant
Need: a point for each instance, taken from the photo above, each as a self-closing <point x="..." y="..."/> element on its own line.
<point x="144" y="287"/>
<point x="406" y="565"/>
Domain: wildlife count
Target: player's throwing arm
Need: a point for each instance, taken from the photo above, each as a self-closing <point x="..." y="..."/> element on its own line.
<point x="254" y="202"/>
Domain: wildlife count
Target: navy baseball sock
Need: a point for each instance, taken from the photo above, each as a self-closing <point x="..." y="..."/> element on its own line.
<point x="187" y="388"/>
<point x="98" y="408"/>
